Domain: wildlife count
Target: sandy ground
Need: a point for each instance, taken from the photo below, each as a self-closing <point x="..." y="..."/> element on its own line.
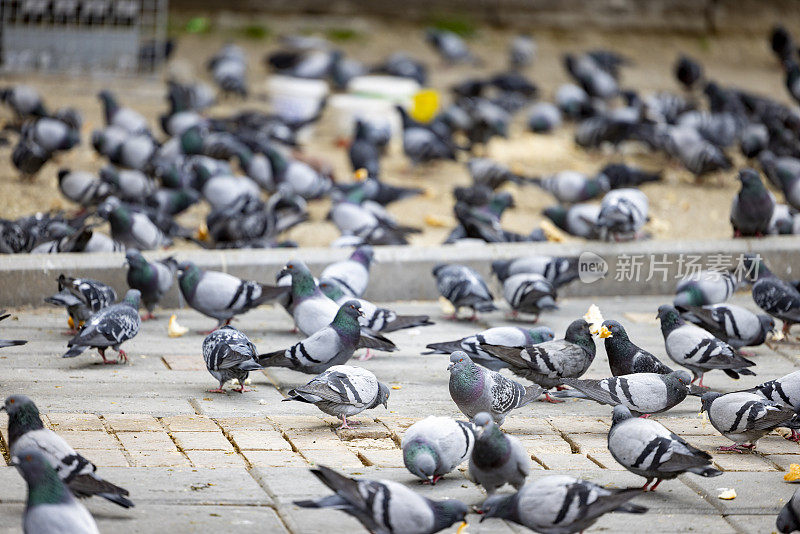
<point x="680" y="206"/>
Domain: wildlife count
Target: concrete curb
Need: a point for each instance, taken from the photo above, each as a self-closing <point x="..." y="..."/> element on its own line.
<point x="404" y="273"/>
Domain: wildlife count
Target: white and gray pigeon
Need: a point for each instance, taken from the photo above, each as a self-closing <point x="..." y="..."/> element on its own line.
<point x="328" y="346"/>
<point x="24" y="100"/>
<point x="384" y="506"/>
<point x="788" y="520"/>
<point x="497" y="458"/>
<point x="342" y="391"/>
<point x="352" y="274"/>
<point x="571" y="187"/>
<point x="221" y="295"/>
<point x="229" y="354"/>
<point x="744" y="417"/>
<point x="560" y="504"/>
<point x="82" y="187"/>
<point x="529" y="293"/>
<point x="464" y="288"/>
<point x="735" y="325"/>
<point x="697" y="349"/>
<point x="153" y="279"/>
<point x="642" y="393"/>
<point x="476" y="389"/>
<point x="26" y="431"/>
<point x="507" y="336"/>
<point x="50" y="506"/>
<point x="704" y="287"/>
<point x="128" y="184"/>
<point x="521" y="51"/>
<point x="131" y="228"/>
<point x="222" y="191"/>
<point x="580" y="220"/>
<point x="624" y="357"/>
<point x="435" y="446"/>
<point x="773" y="295"/>
<point x="646" y="448"/>
<point x="109" y="327"/>
<point x="81" y="297"/>
<point x="623" y="213"/>
<point x="558" y="271"/>
<point x="784" y="390"/>
<point x="126" y="118"/>
<point x="543" y="117"/>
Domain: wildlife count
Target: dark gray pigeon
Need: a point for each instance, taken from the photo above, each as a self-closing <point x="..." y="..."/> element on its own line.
<point x="624" y="357"/>
<point x="697" y="349"/>
<point x="735" y="325"/>
<point x="529" y="293"/>
<point x="435" y="446"/>
<point x="464" y="288"/>
<point x="132" y="229"/>
<point x="152" y="279"/>
<point x="644" y="447"/>
<point x="789" y="517"/>
<point x="704" y="287"/>
<point x="508" y="336"/>
<point x="784" y="173"/>
<point x="752" y="207"/>
<point x="9" y="342"/>
<point x="384" y="506"/>
<point x="342" y="391"/>
<point x="26" y="431"/>
<point x="476" y="389"/>
<point x="126" y="118"/>
<point x="642" y="393"/>
<point x="776" y="297"/>
<point x="221" y="295"/>
<point x="109" y="327"/>
<point x="497" y="458"/>
<point x="82" y="297"/>
<point x="50" y="506"/>
<point x="229" y="354"/>
<point x="452" y="48"/>
<point x="744" y="417"/>
<point x="560" y="504"/>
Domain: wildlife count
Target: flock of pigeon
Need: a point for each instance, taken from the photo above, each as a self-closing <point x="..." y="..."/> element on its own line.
<point x="229" y="161"/>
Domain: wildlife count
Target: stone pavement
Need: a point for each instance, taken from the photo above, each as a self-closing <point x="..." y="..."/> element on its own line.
<point x="194" y="461"/>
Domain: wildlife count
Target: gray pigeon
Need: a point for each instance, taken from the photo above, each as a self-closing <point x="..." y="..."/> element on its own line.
<point x="24" y="100"/>
<point x="50" y="506"/>
<point x="497" y="459"/>
<point x="9" y="342"/>
<point x="744" y="417"/>
<point x="643" y="393"/>
<point x="548" y="363"/>
<point x="352" y="274"/>
<point x="543" y="117"/>
<point x="475" y="389"/>
<point x="126" y="118"/>
<point x="784" y="390"/>
<point x="384" y="506"/>
<point x="82" y="187"/>
<point x="435" y="446"/>
<point x="784" y="173"/>
<point x="773" y="295"/>
<point x="82" y="297"/>
<point x="789" y="517"/>
<point x="229" y="354"/>
<point x="697" y="349"/>
<point x="26" y="431"/>
<point x="464" y="288"/>
<point x="221" y="295"/>
<point x="529" y="293"/>
<point x="128" y="185"/>
<point x="735" y="325"/>
<point x="521" y="51"/>
<point x="752" y="207"/>
<point x="560" y="504"/>
<point x="623" y="213"/>
<point x="153" y="280"/>
<point x="110" y="327"/>
<point x="557" y="271"/>
<point x="644" y="447"/>
<point x="132" y="229"/>
<point x="625" y="358"/>
<point x="508" y="336"/>
<point x="571" y="187"/>
<point x="452" y="48"/>
<point x="341" y="391"/>
<point x="580" y="220"/>
<point x="329" y="346"/>
<point x="704" y="287"/>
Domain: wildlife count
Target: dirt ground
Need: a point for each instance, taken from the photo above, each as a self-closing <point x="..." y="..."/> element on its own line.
<point x="680" y="206"/>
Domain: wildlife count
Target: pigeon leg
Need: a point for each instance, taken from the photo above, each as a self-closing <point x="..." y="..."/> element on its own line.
<point x="645" y="416"/>
<point x="294" y="330"/>
<point x="122" y="356"/>
<point x="242" y="388"/>
<point x="452" y="317"/>
<point x="654" y="486"/>
<point x="735" y="447"/>
<point x="436" y="479"/>
<point x="227" y="322"/>
<point x="148" y="316"/>
<point x="786" y="327"/>
<point x="644" y="488"/>
<point x="548" y="398"/>
<point x="700" y="384"/>
<point x="102" y="352"/>
<point x="561" y="388"/>
<point x="746" y="354"/>
<point x="344" y="423"/>
<point x="218" y="390"/>
<point x="474" y="317"/>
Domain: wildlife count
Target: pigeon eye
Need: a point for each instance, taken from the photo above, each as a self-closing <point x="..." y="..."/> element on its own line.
<point x="11" y="401"/>
<point x="29" y="457"/>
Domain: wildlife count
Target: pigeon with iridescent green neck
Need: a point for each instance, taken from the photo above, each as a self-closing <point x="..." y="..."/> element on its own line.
<point x="497" y="458"/>
<point x="352" y="274"/>
<point x="50" y="506"/>
<point x="435" y="446"/>
<point x="229" y="354"/>
<point x="704" y="287"/>
<point x="132" y="229"/>
<point x="153" y="280"/>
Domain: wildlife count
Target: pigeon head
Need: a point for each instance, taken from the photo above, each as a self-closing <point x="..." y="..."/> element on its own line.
<point x="754" y="267"/>
<point x="352" y="308"/>
<point x="578" y="332"/>
<point x="23" y="416"/>
<point x="459" y="358"/>
<point x="684" y="376"/>
<point x="44" y="485"/>
<point x="707" y="399"/>
<point x="438" y="267"/>
<point x="501" y="506"/>
<point x="108" y="207"/>
<point x="750" y="179"/>
<point x="421" y="459"/>
<point x="346" y="320"/>
<point x="134" y="258"/>
<point x="690" y="295"/>
<point x="363" y="255"/>
<point x="620" y="413"/>
<point x="331" y="289"/>
<point x="767" y="323"/>
<point x="612" y="329"/>
<point x="482" y="419"/>
<point x="669" y="317"/>
<point x="448" y="512"/>
<point x="383" y="394"/>
<point x="132" y="298"/>
<point x="192" y="140"/>
<point x="62" y="173"/>
<point x="303" y="284"/>
<point x="540" y="334"/>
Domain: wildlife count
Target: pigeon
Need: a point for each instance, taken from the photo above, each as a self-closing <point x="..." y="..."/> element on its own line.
<point x="422" y="144"/>
<point x="82" y="297"/>
<point x="688" y="72"/>
<point x="50" y="506"/>
<point x="109" y="327"/>
<point x="573" y="101"/>
<point x="624" y="357"/>
<point x="497" y="458"/>
<point x="229" y="354"/>
<point x="698" y="155"/>
<point x="83" y="188"/>
<point x="776" y="297"/>
<point x="153" y="280"/>
<point x="341" y="391"/>
<point x="374" y="318"/>
<point x="735" y="325"/>
<point x="384" y="506"/>
<point x="557" y="271"/>
<point x="26" y="431"/>
<point x="571" y="187"/>
<point x="129" y="120"/>
<point x="475" y="389"/>
<point x="619" y="175"/>
<point x="697" y="349"/>
<point x="543" y="117"/>
<point x="363" y="152"/>
<point x="784" y="390"/>
<point x="450" y="46"/>
<point x="221" y="295"/>
<point x="132" y="229"/>
<point x="326" y="347"/>
<point x="129" y="185"/>
<point x="510" y="336"/>
<point x="594" y="79"/>
<point x="373" y="189"/>
<point x="644" y="447"/>
<point x="228" y="68"/>
<point x="782" y="43"/>
<point x="464" y="288"/>
<point x="752" y="208"/>
<point x="704" y="287"/>
<point x="529" y="293"/>
<point x="754" y="139"/>
<point x="352" y="274"/>
<point x="493" y="174"/>
<point x="548" y="363"/>
<point x="560" y="504"/>
<point x="642" y="393"/>
<point x="521" y="51"/>
<point x="435" y="446"/>
<point x="51" y="134"/>
<point x="744" y="417"/>
<point x="579" y="220"/>
<point x="9" y="342"/>
<point x="788" y="520"/>
<point x="24" y="100"/>
<point x="784" y="173"/>
<point x="367" y="220"/>
<point x="623" y="212"/>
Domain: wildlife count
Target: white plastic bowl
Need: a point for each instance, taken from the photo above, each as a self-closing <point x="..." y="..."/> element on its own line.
<point x="295" y="99"/>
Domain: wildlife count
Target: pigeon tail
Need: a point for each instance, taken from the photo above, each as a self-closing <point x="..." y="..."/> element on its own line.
<point x="445" y="347"/>
<point x="407" y="321"/>
<point x="274" y="359"/>
<point x="373" y="340"/>
<point x="249" y="365"/>
<point x="117" y="499"/>
<point x="75" y="350"/>
<point x="510" y="355"/>
<point x="11" y="342"/>
<point x="705" y="471"/>
<point x="484" y="307"/>
<point x="531" y="394"/>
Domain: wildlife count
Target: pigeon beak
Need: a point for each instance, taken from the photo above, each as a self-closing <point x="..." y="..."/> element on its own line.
<point x="14" y="461"/>
<point x="2" y="408"/>
<point x="450" y="366"/>
<point x="604" y="333"/>
<point x="461" y="527"/>
<point x="361" y="313"/>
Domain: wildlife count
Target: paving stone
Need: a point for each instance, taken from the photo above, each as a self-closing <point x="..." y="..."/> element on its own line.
<point x="663" y="523"/>
<point x="366" y="443"/>
<point x="190" y="423"/>
<point x="191" y="518"/>
<point x="212" y="441"/>
<point x="560" y="461"/>
<point x="246" y="423"/>
<point x="366" y="430"/>
<point x="314" y="441"/>
<point x="299" y="422"/>
<point x="269" y="440"/>
<point x="590" y="443"/>
<point x="784" y="460"/>
<point x="545" y="444"/>
<point x="757" y="493"/>
<point x="73" y="421"/>
<point x="522" y="426"/>
<point x="341" y="458"/>
<point x="215" y="459"/>
<point x="104" y="457"/>
<point x="184" y="362"/>
<point x="382" y="457"/>
<point x="319" y="521"/>
<point x="580" y="424"/>
<point x="158" y="458"/>
<point x="133" y="423"/>
<point x="274" y="459"/>
<point x="773" y="444"/>
<point x="743" y="462"/>
<point x="147" y="441"/>
<point x="755" y="523"/>
<point x="689" y="426"/>
<point x="89" y="439"/>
